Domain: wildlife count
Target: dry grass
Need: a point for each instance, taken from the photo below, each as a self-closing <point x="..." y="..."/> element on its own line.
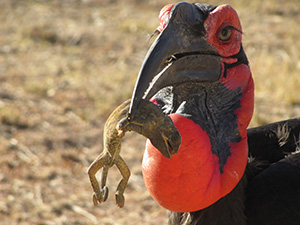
<point x="64" y="65"/>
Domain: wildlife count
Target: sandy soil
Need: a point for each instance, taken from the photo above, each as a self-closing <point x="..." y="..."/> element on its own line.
<point x="65" y="65"/>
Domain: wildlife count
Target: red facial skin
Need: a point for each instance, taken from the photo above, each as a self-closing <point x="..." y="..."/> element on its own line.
<point x="191" y="180"/>
<point x="164" y="16"/>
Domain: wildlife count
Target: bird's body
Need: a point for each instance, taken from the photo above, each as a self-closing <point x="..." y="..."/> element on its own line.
<point x="197" y="72"/>
<point x="268" y="193"/>
<point x="211" y="108"/>
<point x="273" y="191"/>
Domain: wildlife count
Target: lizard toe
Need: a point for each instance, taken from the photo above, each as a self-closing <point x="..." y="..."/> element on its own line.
<point x="105" y="193"/>
<point x="120" y="200"/>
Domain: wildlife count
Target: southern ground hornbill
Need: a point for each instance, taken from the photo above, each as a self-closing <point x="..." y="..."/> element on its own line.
<point x="197" y="72"/>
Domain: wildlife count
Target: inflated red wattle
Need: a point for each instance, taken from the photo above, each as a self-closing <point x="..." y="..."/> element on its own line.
<point x="191" y="179"/>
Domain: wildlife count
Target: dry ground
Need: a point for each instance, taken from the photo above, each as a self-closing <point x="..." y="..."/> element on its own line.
<point x="65" y="65"/>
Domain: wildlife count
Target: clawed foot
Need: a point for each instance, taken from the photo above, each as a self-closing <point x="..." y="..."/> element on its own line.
<point x="120" y="200"/>
<point x="101" y="196"/>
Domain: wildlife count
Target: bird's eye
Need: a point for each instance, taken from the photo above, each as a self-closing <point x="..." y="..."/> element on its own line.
<point x="225" y="33"/>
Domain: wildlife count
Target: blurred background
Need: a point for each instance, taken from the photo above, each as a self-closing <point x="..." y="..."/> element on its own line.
<point x="65" y="65"/>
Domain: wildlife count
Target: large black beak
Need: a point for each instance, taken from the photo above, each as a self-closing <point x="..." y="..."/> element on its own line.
<point x="179" y="54"/>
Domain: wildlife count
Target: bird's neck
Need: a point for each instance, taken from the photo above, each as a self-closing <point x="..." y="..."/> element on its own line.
<point x="192" y="180"/>
<point x="212" y="106"/>
<point x="212" y="120"/>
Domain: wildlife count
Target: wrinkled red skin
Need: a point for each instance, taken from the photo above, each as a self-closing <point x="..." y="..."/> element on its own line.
<point x="191" y="179"/>
<point x="164" y="17"/>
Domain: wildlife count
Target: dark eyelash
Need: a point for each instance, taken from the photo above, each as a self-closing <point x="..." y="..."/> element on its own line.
<point x="156" y="32"/>
<point x="153" y="36"/>
<point x="233" y="28"/>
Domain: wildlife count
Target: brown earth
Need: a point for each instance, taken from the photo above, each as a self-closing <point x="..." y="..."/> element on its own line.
<point x="65" y="65"/>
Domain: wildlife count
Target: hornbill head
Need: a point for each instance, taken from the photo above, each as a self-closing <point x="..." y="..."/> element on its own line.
<point x="196" y="71"/>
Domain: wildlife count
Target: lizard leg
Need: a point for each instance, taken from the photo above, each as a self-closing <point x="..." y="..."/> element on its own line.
<point x="125" y="172"/>
<point x="100" y="161"/>
<point x="103" y="187"/>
